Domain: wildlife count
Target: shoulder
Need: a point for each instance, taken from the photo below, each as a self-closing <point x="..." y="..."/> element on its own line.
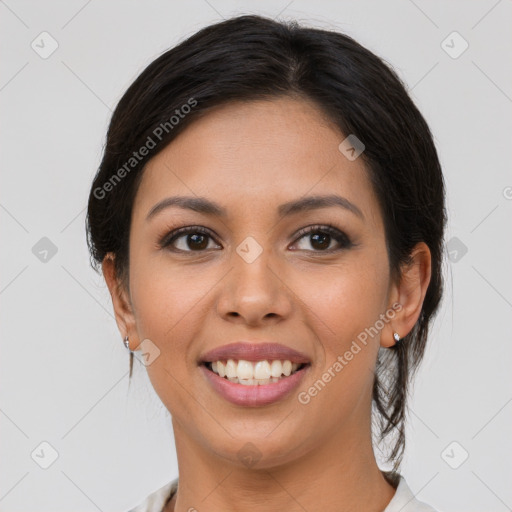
<point x="405" y="501"/>
<point x="157" y="499"/>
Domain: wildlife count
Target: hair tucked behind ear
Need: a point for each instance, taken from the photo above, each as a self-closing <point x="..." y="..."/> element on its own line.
<point x="252" y="57"/>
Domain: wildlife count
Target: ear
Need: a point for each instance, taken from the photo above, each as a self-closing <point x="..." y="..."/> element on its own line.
<point x="409" y="293"/>
<point x="121" y="302"/>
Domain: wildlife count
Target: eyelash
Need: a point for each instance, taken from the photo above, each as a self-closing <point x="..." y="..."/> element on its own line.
<point x="340" y="237"/>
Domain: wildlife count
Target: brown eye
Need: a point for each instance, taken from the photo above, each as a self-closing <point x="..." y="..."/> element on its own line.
<point x="188" y="239"/>
<point x="321" y="238"/>
<point x="196" y="241"/>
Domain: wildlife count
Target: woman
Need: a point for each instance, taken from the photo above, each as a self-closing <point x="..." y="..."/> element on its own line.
<point x="268" y="216"/>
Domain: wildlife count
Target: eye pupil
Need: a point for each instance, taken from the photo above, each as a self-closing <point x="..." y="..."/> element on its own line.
<point x="196" y="241"/>
<point x="321" y="239"/>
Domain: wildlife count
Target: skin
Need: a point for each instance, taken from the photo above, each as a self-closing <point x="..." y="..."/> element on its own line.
<point x="250" y="158"/>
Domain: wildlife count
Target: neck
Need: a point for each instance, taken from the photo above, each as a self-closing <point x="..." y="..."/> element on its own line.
<point x="335" y="476"/>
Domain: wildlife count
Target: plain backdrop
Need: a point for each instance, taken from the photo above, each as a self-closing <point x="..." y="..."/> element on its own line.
<point x="64" y="396"/>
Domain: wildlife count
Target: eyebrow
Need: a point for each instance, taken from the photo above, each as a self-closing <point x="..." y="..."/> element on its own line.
<point x="205" y="206"/>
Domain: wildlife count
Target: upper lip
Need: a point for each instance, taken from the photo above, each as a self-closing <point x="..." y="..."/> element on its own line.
<point x="253" y="352"/>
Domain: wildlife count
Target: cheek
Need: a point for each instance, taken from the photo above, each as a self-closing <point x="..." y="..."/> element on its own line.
<point x="168" y="300"/>
<point x="340" y="305"/>
<point x="346" y="297"/>
<point x="170" y="305"/>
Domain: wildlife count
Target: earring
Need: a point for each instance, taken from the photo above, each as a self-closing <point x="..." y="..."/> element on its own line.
<point x="126" y="343"/>
<point x="397" y="337"/>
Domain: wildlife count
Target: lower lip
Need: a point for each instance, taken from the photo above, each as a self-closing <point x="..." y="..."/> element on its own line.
<point x="257" y="395"/>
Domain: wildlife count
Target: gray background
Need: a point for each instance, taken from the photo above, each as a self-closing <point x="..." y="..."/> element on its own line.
<point x="63" y="367"/>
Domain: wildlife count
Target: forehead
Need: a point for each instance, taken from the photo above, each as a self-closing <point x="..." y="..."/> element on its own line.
<point x="254" y="154"/>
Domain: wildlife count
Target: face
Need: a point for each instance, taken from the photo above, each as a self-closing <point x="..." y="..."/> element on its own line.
<point x="311" y="278"/>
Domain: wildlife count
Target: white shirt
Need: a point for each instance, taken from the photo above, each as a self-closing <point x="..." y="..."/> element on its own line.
<point x="402" y="501"/>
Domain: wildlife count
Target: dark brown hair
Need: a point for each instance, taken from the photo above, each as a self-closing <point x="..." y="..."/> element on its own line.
<point x="252" y="57"/>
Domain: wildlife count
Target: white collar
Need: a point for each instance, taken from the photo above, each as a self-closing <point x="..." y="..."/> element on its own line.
<point x="402" y="501"/>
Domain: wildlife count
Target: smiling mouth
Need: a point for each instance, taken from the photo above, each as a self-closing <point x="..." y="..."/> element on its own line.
<point x="254" y="373"/>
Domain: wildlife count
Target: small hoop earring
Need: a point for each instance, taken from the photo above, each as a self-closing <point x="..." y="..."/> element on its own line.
<point x="126" y="343"/>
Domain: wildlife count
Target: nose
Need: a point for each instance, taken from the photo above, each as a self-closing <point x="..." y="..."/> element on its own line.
<point x="253" y="293"/>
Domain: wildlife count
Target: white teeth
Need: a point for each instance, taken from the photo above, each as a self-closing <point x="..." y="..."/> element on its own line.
<point x="251" y="373"/>
<point x="276" y="369"/>
<point x="261" y="370"/>
<point x="231" y="369"/>
<point x="253" y="382"/>
<point x="245" y="370"/>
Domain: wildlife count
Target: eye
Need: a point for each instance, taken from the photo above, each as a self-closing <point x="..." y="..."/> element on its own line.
<point x="190" y="239"/>
<point x="322" y="237"/>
